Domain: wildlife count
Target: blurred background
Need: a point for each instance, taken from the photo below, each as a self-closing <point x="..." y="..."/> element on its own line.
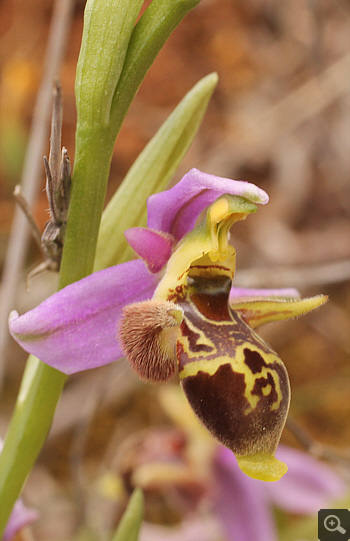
<point x="279" y="118"/>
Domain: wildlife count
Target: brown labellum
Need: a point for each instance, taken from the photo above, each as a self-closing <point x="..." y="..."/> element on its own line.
<point x="148" y="333"/>
<point x="234" y="381"/>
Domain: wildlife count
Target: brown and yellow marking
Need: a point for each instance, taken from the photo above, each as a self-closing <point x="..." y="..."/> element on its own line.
<point x="234" y="381"/>
<point x="199" y="352"/>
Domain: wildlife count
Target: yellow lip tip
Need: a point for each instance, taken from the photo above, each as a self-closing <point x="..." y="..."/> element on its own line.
<point x="262" y="466"/>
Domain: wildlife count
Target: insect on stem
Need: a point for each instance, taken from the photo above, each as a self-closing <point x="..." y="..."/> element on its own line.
<point x="58" y="184"/>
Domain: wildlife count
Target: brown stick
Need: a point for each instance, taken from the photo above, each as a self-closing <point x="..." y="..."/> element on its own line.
<point x="315" y="448"/>
<point x="16" y="251"/>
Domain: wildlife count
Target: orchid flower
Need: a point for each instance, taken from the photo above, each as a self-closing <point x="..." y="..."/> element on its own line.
<point x="242" y="508"/>
<point x="176" y="311"/>
<point x="203" y="482"/>
<point x="189" y="469"/>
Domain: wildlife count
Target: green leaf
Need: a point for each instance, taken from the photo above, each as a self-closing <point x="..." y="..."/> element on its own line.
<point x="129" y="526"/>
<point x="150" y="173"/>
<point x="108" y="25"/>
<point x="148" y="37"/>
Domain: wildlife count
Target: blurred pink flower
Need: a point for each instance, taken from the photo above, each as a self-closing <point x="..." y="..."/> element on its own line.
<point x="245" y="505"/>
<point x="20" y="517"/>
<point x="214" y="497"/>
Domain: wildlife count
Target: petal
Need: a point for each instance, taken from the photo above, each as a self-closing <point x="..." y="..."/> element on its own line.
<point x="175" y="211"/>
<point x="20" y="517"/>
<point x="241" y="503"/>
<point x="308" y="485"/>
<point x="153" y="247"/>
<point x="241" y="292"/>
<point x="76" y="328"/>
<point x="259" y="311"/>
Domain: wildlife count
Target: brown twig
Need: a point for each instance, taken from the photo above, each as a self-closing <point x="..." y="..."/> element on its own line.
<point x="16" y="251"/>
<point x="315" y="448"/>
<point x="306" y="276"/>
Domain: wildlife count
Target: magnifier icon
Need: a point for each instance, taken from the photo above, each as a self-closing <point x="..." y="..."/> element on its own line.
<point x="332" y="524"/>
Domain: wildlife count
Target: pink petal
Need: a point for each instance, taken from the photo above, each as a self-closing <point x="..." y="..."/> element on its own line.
<point x="20" y="517"/>
<point x="153" y="247"/>
<point x="309" y="485"/>
<point x="76" y="328"/>
<point x="241" y="502"/>
<point x="241" y="292"/>
<point x="175" y="211"/>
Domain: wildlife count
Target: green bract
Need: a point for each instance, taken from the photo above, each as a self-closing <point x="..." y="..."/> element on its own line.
<point x="150" y="173"/>
<point x="129" y="526"/>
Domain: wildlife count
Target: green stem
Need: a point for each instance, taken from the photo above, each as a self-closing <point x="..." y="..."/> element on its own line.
<point x="91" y="170"/>
<point x="40" y="390"/>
